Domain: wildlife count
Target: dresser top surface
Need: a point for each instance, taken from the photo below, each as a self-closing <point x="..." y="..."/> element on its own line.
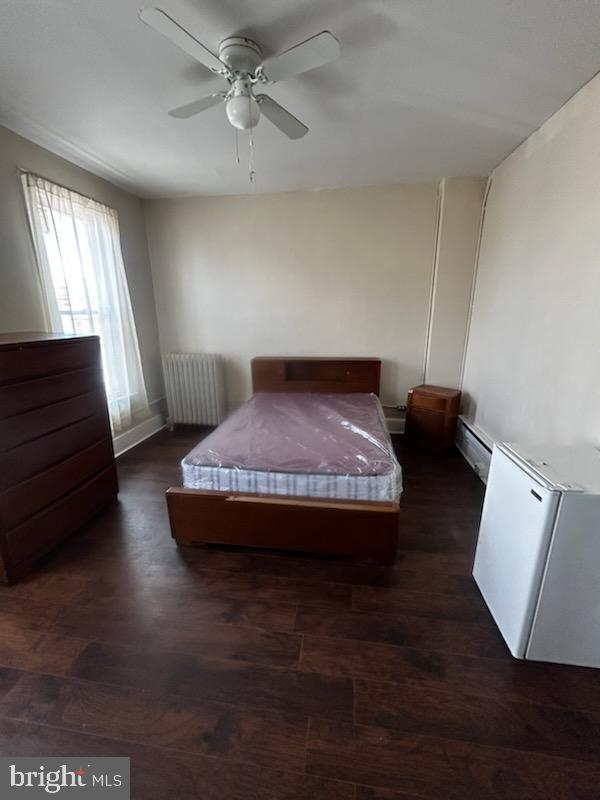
<point x="36" y="338"/>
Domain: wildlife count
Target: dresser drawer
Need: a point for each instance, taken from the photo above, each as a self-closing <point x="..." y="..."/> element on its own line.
<point x="427" y="401"/>
<point x="28" y="459"/>
<point x="25" y="499"/>
<point x="30" y="361"/>
<point x="40" y="533"/>
<point x="33" y="424"/>
<point x="17" y="398"/>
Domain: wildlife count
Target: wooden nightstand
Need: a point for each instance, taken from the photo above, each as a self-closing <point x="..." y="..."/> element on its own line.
<point x="431" y="415"/>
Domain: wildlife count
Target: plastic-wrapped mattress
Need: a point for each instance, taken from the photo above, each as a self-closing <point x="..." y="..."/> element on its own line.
<point x="300" y="444"/>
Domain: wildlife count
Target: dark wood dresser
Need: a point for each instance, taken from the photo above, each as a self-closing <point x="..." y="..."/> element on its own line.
<point x="57" y="465"/>
<point x="431" y="415"/>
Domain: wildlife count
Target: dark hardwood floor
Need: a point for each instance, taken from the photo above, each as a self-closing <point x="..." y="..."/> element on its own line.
<point x="237" y="675"/>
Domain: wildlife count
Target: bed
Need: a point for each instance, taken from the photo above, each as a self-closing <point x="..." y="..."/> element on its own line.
<point x="306" y="464"/>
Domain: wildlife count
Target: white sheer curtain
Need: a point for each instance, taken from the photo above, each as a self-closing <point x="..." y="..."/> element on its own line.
<point x="81" y="267"/>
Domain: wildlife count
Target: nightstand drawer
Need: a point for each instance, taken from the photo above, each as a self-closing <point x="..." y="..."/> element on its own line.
<point x="427" y="401"/>
<point x="424" y="425"/>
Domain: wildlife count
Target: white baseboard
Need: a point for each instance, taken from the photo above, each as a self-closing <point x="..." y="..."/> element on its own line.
<point x="395" y="424"/>
<point x="394" y="419"/>
<point x="136" y="435"/>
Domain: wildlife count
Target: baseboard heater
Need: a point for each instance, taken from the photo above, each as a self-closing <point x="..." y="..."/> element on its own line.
<point x="475" y="447"/>
<point x="195" y="388"/>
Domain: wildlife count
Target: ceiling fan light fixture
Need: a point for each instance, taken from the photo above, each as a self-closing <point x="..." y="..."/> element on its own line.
<point x="243" y="111"/>
<point x="240" y="63"/>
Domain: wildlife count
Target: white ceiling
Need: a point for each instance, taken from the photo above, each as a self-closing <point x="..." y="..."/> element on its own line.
<point x="424" y="88"/>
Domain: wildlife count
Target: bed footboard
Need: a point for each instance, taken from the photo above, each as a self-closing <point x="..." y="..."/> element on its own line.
<point x="364" y="529"/>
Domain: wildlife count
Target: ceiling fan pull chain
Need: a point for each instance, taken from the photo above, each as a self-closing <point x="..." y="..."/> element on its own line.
<point x="237" y="147"/>
<point x="251" y="170"/>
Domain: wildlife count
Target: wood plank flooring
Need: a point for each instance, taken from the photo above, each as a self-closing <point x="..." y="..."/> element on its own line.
<point x="239" y="675"/>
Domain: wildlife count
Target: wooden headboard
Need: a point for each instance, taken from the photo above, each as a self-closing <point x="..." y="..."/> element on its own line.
<point x="298" y="374"/>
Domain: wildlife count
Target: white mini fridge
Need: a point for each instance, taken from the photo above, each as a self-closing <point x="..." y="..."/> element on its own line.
<point x="537" y="562"/>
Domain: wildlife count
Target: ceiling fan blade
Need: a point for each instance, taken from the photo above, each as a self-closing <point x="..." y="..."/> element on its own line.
<point x="196" y="106"/>
<point x="164" y="24"/>
<point x="282" y="119"/>
<point x="314" y="52"/>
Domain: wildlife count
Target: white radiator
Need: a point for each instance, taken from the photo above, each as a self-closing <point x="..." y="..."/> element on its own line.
<point x="195" y="388"/>
<point x="475" y="447"/>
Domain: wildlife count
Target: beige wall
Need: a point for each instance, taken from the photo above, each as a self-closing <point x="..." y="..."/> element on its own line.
<point x="20" y="298"/>
<point x="456" y="254"/>
<point x="533" y="362"/>
<point x="344" y="272"/>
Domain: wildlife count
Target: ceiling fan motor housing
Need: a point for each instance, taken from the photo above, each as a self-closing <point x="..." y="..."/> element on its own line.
<point x="240" y="54"/>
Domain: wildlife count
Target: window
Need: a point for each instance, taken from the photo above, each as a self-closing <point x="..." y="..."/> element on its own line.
<point x="83" y="278"/>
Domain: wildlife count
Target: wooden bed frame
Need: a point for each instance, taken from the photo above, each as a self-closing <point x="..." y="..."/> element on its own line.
<point x="363" y="529"/>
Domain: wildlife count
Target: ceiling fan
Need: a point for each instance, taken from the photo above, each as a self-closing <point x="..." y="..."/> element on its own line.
<point x="241" y="64"/>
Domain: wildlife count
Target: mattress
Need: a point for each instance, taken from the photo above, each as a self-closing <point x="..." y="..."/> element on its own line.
<point x="300" y="444"/>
